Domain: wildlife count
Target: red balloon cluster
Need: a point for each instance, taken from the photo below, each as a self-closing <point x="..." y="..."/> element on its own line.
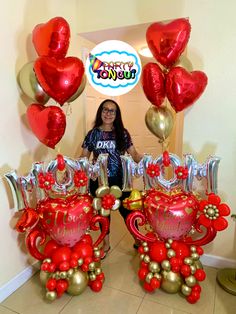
<point x="173" y="266"/>
<point x="52" y="75"/>
<point x="182" y="88"/>
<point x="63" y="263"/>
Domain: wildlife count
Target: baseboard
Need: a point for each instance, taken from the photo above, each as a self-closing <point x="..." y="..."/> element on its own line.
<point x="217" y="261"/>
<point x="11" y="286"/>
<point x="16" y="282"/>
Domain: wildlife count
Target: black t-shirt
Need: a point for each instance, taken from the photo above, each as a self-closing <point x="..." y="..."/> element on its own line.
<point x="99" y="142"/>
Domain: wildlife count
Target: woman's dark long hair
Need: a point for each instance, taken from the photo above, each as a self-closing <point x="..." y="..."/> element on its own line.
<point x="118" y="124"/>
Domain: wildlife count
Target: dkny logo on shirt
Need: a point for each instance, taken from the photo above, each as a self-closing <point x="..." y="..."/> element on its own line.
<point x="105" y="145"/>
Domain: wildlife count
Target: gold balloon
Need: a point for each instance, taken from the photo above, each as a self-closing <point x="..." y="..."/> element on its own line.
<point x="51" y="295"/>
<point x="171" y="282"/>
<point x="78" y="282"/>
<point x="29" y="84"/>
<point x="160" y="122"/>
<point x="79" y="90"/>
<point x="134" y="201"/>
<point x="43" y="276"/>
<point x="186" y="290"/>
<point x="190" y="281"/>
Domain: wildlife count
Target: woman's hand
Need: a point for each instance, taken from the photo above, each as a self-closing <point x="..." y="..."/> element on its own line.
<point x="135" y="155"/>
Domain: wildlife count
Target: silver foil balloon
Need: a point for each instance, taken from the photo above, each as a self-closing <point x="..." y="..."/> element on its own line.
<point x="207" y="170"/>
<point x="22" y="186"/>
<point x="130" y="169"/>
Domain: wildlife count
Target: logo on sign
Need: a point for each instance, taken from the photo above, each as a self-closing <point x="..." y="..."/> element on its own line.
<point x="113" y="68"/>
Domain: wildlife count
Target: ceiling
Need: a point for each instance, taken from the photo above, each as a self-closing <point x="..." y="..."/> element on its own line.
<point x="134" y="35"/>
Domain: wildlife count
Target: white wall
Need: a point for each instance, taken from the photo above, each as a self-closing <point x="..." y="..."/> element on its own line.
<point x="209" y="124"/>
<point x="19" y="147"/>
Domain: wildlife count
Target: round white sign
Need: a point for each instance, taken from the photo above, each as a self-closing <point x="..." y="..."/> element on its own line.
<point x="113" y="68"/>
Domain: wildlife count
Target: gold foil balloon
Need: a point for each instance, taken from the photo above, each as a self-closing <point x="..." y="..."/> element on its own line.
<point x="160" y="122"/>
<point x="44" y="277"/>
<point x="171" y="282"/>
<point x="51" y="295"/>
<point x="79" y="90"/>
<point x="29" y="84"/>
<point x="78" y="282"/>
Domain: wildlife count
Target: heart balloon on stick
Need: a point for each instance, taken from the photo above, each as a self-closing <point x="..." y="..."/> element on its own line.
<point x="153" y="83"/>
<point x="183" y="88"/>
<point x="160" y="122"/>
<point x="47" y="123"/>
<point x="59" y="78"/>
<point x="167" y="41"/>
<point x="52" y="38"/>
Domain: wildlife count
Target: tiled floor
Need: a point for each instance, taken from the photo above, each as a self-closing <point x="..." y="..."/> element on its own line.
<point x="121" y="292"/>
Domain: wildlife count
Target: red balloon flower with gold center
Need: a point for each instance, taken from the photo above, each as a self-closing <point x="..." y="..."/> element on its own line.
<point x="212" y="213"/>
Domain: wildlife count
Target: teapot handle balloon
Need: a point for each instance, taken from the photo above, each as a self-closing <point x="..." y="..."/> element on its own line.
<point x="104" y="226"/>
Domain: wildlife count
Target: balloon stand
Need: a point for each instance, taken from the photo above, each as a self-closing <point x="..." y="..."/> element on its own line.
<point x="170" y="253"/>
<point x="57" y="229"/>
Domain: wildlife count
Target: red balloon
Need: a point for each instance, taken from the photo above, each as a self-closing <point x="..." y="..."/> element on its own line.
<point x="52" y="38"/>
<point x="142" y="273"/>
<point x="66" y="220"/>
<point x="83" y="249"/>
<point x="200" y="274"/>
<point x="51" y="284"/>
<point x="28" y="219"/>
<point x="176" y="213"/>
<point x="96" y="285"/>
<point x="183" y="88"/>
<point x="60" y="79"/>
<point x="153" y="83"/>
<point x="167" y="41"/>
<point x="148" y="287"/>
<point x="61" y="255"/>
<point x="50" y="247"/>
<point x="47" y="123"/>
<point x="158" y="252"/>
<point x="62" y="286"/>
<point x="182" y="250"/>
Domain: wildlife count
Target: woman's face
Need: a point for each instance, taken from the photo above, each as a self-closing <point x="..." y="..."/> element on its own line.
<point x="108" y="112"/>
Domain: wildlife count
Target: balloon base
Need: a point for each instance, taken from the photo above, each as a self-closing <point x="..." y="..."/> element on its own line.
<point x="226" y="278"/>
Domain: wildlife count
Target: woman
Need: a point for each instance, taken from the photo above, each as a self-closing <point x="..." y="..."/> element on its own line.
<point x="109" y="136"/>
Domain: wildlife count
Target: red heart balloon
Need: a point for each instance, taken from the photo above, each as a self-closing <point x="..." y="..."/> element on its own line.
<point x="183" y="88"/>
<point x="66" y="220"/>
<point x="59" y="78"/>
<point x="171" y="216"/>
<point x="52" y="38"/>
<point x="47" y="123"/>
<point x="153" y="83"/>
<point x="168" y="40"/>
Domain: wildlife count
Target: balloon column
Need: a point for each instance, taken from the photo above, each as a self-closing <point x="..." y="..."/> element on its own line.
<point x="180" y="220"/>
<point x="51" y="75"/>
<point x="57" y="229"/>
<point x="167" y="41"/>
<point x="175" y="213"/>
